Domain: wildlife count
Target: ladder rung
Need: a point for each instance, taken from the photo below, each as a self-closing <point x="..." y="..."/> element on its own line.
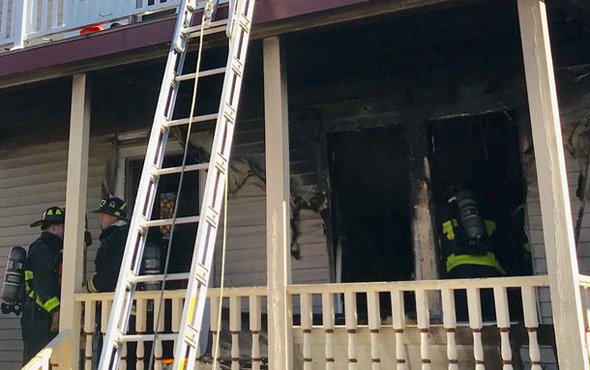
<point x="168" y="221"/>
<point x="178" y="169"/>
<point x="196" y="119"/>
<point x="160" y="277"/>
<point x="147" y="337"/>
<point x="214" y="27"/>
<point x="207" y="73"/>
<point x="191" y="336"/>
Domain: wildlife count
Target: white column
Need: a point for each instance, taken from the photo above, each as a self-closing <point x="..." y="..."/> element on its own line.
<point x="73" y="252"/>
<point x="558" y="234"/>
<point x="277" y="206"/>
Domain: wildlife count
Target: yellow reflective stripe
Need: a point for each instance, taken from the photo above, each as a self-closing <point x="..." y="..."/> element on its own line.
<point x="490" y="227"/>
<point x="51" y="304"/>
<point x="449" y="230"/>
<point x="90" y="286"/>
<point x="28" y="275"/>
<point x="488" y="259"/>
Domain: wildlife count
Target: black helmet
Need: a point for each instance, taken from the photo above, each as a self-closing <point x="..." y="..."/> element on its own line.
<point x="114" y="207"/>
<point x="51" y="216"/>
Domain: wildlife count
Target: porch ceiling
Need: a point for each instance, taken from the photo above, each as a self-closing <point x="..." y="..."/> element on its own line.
<point x="149" y="40"/>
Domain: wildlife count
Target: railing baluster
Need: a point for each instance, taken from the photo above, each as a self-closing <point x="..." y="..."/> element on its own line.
<point x="158" y="350"/>
<point x="140" y="328"/>
<point x="44" y="15"/>
<point x="4" y="21"/>
<point x="123" y="362"/>
<point x="531" y="321"/>
<point x="503" y="320"/>
<point x="255" y="305"/>
<point x="450" y="324"/>
<point x="306" y="325"/>
<point x="235" y="326"/>
<point x="55" y="14"/>
<point x="214" y="315"/>
<point x="104" y="315"/>
<point x="89" y="324"/>
<point x="176" y="317"/>
<point x="351" y="328"/>
<point x="399" y="322"/>
<point x="33" y="18"/>
<point x="475" y="323"/>
<point x="374" y="313"/>
<point x="328" y="324"/>
<point x="423" y="316"/>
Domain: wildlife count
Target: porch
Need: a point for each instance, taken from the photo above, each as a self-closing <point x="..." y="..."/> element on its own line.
<point x="309" y="325"/>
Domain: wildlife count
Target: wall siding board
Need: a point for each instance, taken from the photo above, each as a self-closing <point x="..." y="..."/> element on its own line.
<point x="33" y="178"/>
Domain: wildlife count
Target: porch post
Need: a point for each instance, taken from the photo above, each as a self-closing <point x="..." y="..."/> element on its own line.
<point x="277" y="205"/>
<point x="73" y="251"/>
<point x="558" y="234"/>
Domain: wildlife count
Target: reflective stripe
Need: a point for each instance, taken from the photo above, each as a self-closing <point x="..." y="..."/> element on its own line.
<point x="47" y="306"/>
<point x="51" y="304"/>
<point x="488" y="259"/>
<point x="449" y="230"/>
<point x="90" y="286"/>
<point x="28" y="277"/>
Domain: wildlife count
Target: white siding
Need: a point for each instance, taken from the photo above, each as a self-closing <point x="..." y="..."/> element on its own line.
<point x="246" y="244"/>
<point x="33" y="178"/>
<point x="536" y="233"/>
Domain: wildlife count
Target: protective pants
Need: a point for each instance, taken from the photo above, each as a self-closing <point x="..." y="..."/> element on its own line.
<point x="35" y="328"/>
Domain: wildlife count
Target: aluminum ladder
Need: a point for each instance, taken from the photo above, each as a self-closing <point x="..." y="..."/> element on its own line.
<point x="237" y="27"/>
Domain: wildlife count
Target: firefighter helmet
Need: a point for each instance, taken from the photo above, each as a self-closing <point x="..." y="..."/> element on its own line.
<point x="51" y="216"/>
<point x="114" y="207"/>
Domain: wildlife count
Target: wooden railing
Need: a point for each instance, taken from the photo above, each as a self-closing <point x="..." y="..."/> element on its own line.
<point x="510" y="302"/>
<point x="46" y="359"/>
<point x="236" y="301"/>
<point x="355" y="326"/>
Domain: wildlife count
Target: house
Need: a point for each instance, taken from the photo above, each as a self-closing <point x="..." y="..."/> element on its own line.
<point x="355" y="118"/>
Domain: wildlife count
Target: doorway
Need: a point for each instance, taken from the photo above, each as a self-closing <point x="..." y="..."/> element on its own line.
<point x="371" y="205"/>
<point x="482" y="153"/>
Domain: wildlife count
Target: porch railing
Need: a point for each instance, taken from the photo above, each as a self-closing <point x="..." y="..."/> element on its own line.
<point x="45" y="359"/>
<point x="368" y="335"/>
<point x="484" y="322"/>
<point x="22" y="21"/>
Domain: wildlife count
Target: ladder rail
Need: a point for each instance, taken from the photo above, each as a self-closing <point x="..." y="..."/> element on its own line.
<point x="122" y="301"/>
<point x="213" y="196"/>
<point x="238" y="26"/>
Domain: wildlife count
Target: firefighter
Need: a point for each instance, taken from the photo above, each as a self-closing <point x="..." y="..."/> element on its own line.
<point x="40" y="320"/>
<point x="467" y="238"/>
<point x="113" y="223"/>
<point x="112" y="216"/>
<point x="468" y="242"/>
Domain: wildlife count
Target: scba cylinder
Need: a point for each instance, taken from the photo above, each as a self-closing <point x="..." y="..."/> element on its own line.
<point x="151" y="264"/>
<point x="471" y="219"/>
<point x="14" y="278"/>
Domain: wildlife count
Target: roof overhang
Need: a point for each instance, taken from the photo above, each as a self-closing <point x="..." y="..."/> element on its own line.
<point x="148" y="40"/>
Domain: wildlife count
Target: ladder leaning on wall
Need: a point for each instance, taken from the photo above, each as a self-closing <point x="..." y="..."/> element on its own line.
<point x="237" y="27"/>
